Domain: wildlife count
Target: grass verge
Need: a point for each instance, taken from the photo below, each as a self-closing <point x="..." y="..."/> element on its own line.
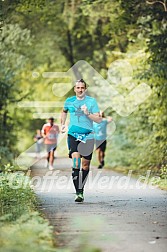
<point x="21" y="226"/>
<point x="153" y="176"/>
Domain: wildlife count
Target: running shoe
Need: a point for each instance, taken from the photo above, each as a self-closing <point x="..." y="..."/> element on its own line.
<point x="46" y="164"/>
<point x="102" y="163"/>
<point x="100" y="166"/>
<point x="51" y="168"/>
<point x="79" y="197"/>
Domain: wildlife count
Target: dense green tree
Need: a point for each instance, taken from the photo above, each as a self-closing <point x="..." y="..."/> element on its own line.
<point x="12" y="61"/>
<point x="147" y="126"/>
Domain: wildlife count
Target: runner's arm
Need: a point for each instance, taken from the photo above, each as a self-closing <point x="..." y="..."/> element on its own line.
<point x="43" y="132"/>
<point x="96" y="117"/>
<point x="63" y="119"/>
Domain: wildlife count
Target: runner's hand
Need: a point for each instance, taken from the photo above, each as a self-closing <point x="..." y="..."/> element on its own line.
<point x="109" y="119"/>
<point x="63" y="128"/>
<point x="84" y="109"/>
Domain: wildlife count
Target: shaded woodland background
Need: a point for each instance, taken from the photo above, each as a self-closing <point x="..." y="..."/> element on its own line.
<point x="42" y="35"/>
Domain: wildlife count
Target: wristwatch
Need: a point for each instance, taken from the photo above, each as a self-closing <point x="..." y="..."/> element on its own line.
<point x="88" y="113"/>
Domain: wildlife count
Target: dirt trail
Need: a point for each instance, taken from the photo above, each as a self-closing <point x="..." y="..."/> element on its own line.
<point x="119" y="213"/>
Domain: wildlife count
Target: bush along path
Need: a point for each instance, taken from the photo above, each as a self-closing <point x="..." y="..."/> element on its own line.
<point x="22" y="228"/>
<point x="119" y="213"/>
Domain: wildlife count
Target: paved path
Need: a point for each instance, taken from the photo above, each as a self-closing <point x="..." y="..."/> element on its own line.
<point x="119" y="213"/>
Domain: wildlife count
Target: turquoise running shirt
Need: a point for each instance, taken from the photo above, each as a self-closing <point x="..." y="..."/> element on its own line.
<point x="79" y="122"/>
<point x="100" y="130"/>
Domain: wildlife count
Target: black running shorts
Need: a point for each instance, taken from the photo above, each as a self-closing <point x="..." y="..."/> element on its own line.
<point x="101" y="144"/>
<point x="84" y="149"/>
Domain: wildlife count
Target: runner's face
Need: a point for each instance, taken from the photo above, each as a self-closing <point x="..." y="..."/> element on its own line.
<point x="80" y="89"/>
<point x="51" y="122"/>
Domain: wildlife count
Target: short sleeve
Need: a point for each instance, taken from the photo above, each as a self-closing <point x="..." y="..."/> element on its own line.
<point x="94" y="108"/>
<point x="66" y="105"/>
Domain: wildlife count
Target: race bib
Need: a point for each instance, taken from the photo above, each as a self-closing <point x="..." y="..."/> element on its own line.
<point x="51" y="136"/>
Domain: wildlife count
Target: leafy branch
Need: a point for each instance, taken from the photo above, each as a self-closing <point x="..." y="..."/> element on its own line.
<point x="161" y="2"/>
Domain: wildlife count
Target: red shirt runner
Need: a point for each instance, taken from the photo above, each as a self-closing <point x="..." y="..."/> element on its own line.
<point x="51" y="133"/>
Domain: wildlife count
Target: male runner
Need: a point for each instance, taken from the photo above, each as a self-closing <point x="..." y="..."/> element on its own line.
<point x="83" y="111"/>
<point x="50" y="133"/>
<point x="100" y="130"/>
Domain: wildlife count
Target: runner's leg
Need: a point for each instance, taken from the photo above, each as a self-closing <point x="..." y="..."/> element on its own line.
<point x="98" y="155"/>
<point x="84" y="174"/>
<point x="76" y="169"/>
<point x="86" y="150"/>
<point x="102" y="152"/>
<point x="102" y="155"/>
<point x="47" y="159"/>
<point x="51" y="157"/>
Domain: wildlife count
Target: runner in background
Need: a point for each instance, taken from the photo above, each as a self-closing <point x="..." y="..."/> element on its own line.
<point x="50" y="133"/>
<point x="100" y="130"/>
<point x="38" y="142"/>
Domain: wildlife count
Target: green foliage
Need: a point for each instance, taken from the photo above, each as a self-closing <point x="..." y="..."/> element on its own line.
<point x="142" y="141"/>
<point x="160" y="177"/>
<point x="21" y="227"/>
<point x="29" y="233"/>
<point x="12" y="60"/>
<point x="16" y="196"/>
<point x="5" y="156"/>
<point x="163" y="172"/>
